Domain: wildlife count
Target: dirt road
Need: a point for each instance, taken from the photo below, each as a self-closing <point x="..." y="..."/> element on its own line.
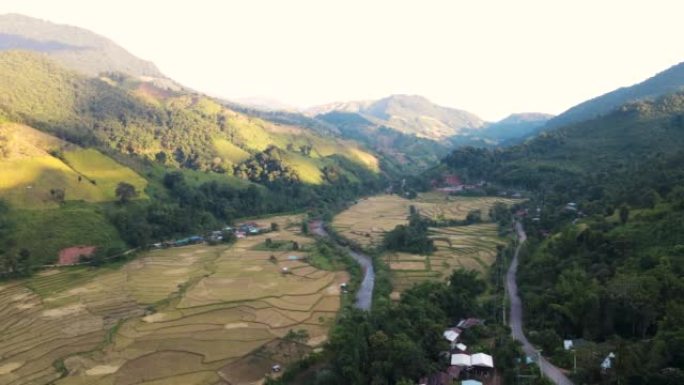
<point x="516" y="320"/>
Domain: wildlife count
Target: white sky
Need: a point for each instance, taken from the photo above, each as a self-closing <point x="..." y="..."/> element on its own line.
<point x="488" y="57"/>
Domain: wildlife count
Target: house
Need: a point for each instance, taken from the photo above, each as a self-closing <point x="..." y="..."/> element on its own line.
<point x="461" y="347"/>
<point x="482" y="360"/>
<point x="469" y="323"/>
<point x="471" y="382"/>
<point x="195" y="239"/>
<point x="608" y="362"/>
<point x="460" y="359"/>
<point x="571" y="206"/>
<point x="451" y="335"/>
<point x="251" y="228"/>
<point x="452" y="181"/>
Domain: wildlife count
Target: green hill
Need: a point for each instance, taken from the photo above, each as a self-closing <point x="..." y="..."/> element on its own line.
<point x="67" y="141"/>
<point x="73" y="47"/>
<point x="134" y="118"/>
<point x="33" y="165"/>
<point x="604" y="261"/>
<point x="663" y="83"/>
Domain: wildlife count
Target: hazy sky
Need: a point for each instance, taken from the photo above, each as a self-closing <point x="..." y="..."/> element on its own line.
<point x="488" y="57"/>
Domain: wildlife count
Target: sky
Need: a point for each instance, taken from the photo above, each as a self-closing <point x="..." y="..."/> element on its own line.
<point x="488" y="57"/>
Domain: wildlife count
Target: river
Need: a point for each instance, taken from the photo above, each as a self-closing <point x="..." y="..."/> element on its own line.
<point x="364" y="296"/>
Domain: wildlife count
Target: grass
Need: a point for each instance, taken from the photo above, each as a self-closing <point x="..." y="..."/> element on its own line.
<point x="45" y="232"/>
<point x="104" y="171"/>
<point x="229" y="151"/>
<point x="31" y="171"/>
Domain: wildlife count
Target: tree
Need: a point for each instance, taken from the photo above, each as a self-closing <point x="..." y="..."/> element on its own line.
<point x="624" y="214"/>
<point x="474" y="216"/>
<point x="228" y="237"/>
<point x="125" y="192"/>
<point x="274" y="226"/>
<point x="58" y="195"/>
<point x="305" y="227"/>
<point x="161" y="157"/>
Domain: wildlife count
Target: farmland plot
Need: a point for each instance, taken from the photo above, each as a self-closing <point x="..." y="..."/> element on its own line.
<point x="470" y="247"/>
<point x="187" y="315"/>
<point x="369" y="219"/>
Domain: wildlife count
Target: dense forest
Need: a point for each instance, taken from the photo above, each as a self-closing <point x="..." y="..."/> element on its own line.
<point x="605" y="262"/>
<point x="400" y="342"/>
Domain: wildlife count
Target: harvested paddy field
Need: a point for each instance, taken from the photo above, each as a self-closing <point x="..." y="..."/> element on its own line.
<point x="367" y="221"/>
<point x="188" y="315"/>
<point x="470" y="247"/>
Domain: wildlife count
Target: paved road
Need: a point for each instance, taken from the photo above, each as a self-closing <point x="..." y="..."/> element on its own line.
<point x="364" y="296"/>
<point x="516" y="323"/>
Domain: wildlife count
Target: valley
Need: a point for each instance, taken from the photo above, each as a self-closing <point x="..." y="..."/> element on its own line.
<point x="154" y="233"/>
<point x="187" y="315"/>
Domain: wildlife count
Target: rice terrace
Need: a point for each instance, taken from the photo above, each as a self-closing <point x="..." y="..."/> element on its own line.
<point x="188" y="315"/>
<point x="472" y="247"/>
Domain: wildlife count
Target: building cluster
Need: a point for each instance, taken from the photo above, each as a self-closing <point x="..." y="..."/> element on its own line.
<point x="241" y="231"/>
<point x="465" y="365"/>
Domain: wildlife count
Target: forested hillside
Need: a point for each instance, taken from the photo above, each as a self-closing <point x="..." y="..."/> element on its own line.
<point x="605" y="264"/>
<point x="67" y="142"/>
<point x="73" y="47"/>
<point x="663" y="83"/>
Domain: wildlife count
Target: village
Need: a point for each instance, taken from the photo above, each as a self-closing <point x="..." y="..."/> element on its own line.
<point x="240" y="231"/>
<point x="471" y="368"/>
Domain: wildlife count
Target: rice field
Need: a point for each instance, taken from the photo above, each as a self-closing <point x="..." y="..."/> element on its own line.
<point x="187" y="315"/>
<point x="369" y="219"/>
<point x="470" y="247"/>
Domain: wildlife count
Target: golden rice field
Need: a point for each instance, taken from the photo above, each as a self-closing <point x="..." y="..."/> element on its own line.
<point x="469" y="247"/>
<point x="367" y="221"/>
<point x="188" y="315"/>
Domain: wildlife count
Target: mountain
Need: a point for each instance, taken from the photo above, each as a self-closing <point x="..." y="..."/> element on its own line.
<point x="605" y="225"/>
<point x="514" y="128"/>
<point x="264" y="104"/>
<point x="668" y="81"/>
<point x="408" y="152"/>
<point x="67" y="142"/>
<point x="138" y="119"/>
<point x="75" y="48"/>
<point x="408" y="114"/>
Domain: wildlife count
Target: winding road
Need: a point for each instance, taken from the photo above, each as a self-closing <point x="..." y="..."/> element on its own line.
<point x="364" y="296"/>
<point x="550" y="371"/>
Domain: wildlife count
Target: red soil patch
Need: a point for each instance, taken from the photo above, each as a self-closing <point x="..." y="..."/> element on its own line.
<point x="71" y="255"/>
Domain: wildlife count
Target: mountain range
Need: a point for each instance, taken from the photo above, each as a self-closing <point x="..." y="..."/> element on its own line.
<point x="75" y="48"/>
<point x="663" y="83"/>
<point x="408" y="114"/>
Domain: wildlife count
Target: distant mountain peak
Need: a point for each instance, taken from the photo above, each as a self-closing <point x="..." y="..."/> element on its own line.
<point x="409" y="114"/>
<point x="73" y="47"/>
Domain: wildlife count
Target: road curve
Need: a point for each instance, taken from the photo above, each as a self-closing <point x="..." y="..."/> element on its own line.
<point x="550" y="371"/>
<point x="364" y="296"/>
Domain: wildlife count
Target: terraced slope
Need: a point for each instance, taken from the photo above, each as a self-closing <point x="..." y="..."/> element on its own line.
<point x="189" y="315"/>
<point x="472" y="247"/>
